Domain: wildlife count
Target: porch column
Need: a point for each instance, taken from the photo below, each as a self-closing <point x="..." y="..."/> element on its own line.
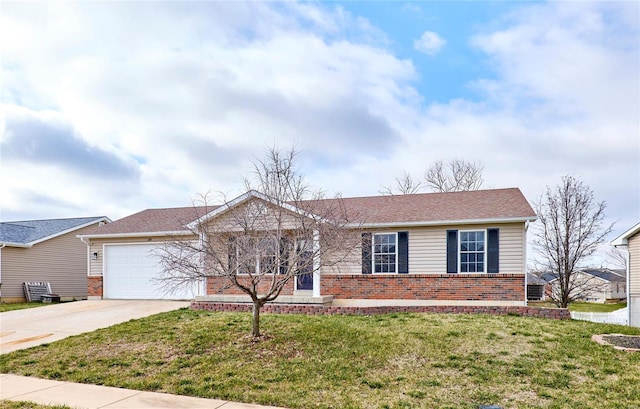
<point x="316" y="263"/>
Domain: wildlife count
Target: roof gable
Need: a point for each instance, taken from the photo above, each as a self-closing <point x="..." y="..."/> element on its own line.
<point x="26" y="233"/>
<point x="247" y="197"/>
<point x="624" y="237"/>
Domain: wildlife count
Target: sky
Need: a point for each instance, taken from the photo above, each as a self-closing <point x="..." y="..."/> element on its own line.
<point x="109" y="108"/>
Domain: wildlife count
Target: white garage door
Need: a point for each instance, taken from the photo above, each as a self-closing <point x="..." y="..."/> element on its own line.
<point x="130" y="272"/>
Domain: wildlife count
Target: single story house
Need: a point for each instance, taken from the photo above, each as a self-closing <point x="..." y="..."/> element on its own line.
<point x="630" y="240"/>
<point x="599" y="285"/>
<point x="457" y="248"/>
<point x="45" y="250"/>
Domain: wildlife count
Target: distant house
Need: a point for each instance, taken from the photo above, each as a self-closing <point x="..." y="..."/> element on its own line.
<point x="630" y="240"/>
<point x="458" y="248"/>
<point x="599" y="285"/>
<point x="45" y="250"/>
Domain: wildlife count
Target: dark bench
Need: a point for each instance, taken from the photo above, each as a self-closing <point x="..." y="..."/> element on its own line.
<point x="40" y="291"/>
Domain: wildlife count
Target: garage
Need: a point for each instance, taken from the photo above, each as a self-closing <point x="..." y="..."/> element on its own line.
<point x="131" y="272"/>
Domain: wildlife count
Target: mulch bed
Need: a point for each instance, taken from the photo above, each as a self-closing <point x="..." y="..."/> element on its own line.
<point x="619" y="341"/>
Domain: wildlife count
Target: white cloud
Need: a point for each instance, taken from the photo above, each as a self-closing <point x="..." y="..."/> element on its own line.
<point x="429" y="43"/>
<point x="187" y="108"/>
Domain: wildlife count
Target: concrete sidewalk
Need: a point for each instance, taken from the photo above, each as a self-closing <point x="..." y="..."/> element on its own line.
<point x="78" y="395"/>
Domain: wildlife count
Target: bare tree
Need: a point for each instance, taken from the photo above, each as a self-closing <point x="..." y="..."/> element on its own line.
<point x="405" y="185"/>
<point x="261" y="241"/>
<point x="571" y="231"/>
<point x="457" y="175"/>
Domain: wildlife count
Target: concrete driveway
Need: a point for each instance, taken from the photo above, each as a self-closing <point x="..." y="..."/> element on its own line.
<point x="34" y="326"/>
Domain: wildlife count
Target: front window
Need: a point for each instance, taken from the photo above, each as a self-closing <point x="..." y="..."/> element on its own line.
<point x="472" y="250"/>
<point x="256" y="256"/>
<point x="384" y="253"/>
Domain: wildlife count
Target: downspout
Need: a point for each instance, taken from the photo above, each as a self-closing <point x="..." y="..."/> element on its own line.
<point x="1" y="247"/>
<point x="524" y="267"/>
<point x="627" y="261"/>
<point x="88" y="243"/>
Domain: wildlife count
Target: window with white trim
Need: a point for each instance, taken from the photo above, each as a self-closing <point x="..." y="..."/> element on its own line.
<point x="385" y="253"/>
<point x="256" y="255"/>
<point x="472" y="251"/>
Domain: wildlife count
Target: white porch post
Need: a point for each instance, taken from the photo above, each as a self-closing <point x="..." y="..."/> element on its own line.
<point x="202" y="284"/>
<point x="316" y="263"/>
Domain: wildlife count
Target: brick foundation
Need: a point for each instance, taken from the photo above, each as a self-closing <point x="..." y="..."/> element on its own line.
<point x="94" y="286"/>
<point x="552" y="313"/>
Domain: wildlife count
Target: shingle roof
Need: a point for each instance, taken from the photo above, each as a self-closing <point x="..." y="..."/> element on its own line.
<point x="27" y="232"/>
<point x="153" y="221"/>
<point x="440" y="207"/>
<point x="605" y="274"/>
<point x="427" y="208"/>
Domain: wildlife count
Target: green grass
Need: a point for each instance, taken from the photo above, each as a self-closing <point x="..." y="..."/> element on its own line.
<point x="20" y="306"/>
<point x="583" y="306"/>
<point x="394" y="361"/>
<point x="5" y="404"/>
<point x="591" y="307"/>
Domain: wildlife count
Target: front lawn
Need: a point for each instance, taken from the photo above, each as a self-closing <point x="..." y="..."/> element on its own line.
<point x="582" y="306"/>
<point x="389" y="361"/>
<point x="592" y="307"/>
<point x="19" y="306"/>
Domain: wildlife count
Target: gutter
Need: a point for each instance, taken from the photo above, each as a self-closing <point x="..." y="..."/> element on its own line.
<point x="21" y="245"/>
<point x="445" y="222"/>
<point x="136" y="234"/>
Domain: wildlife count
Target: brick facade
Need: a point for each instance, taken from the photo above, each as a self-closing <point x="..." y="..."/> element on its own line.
<point x="552" y="313"/>
<point x="455" y="287"/>
<point x="440" y="287"/>
<point x="94" y="286"/>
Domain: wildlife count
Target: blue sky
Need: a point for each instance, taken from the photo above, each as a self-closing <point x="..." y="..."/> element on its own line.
<point x="446" y="74"/>
<point x="108" y="108"/>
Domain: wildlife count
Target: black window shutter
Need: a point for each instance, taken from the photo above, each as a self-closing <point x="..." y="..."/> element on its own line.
<point x="403" y="252"/>
<point x="232" y="253"/>
<point x="284" y="255"/>
<point x="493" y="258"/>
<point x="366" y="253"/>
<point x="452" y="251"/>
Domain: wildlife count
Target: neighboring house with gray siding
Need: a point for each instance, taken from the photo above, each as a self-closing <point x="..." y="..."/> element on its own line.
<point x="630" y="240"/>
<point x="45" y="250"/>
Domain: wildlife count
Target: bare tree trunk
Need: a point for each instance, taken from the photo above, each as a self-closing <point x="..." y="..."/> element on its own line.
<point x="255" y="328"/>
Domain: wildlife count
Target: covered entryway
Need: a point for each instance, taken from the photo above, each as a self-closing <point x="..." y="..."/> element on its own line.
<point x="131" y="272"/>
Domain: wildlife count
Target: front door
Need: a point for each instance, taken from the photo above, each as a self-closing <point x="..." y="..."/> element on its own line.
<point x="305" y="266"/>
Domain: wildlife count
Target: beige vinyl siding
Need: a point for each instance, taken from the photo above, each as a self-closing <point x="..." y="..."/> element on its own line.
<point x="634" y="264"/>
<point x="62" y="261"/>
<point x="97" y="246"/>
<point x="428" y="248"/>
